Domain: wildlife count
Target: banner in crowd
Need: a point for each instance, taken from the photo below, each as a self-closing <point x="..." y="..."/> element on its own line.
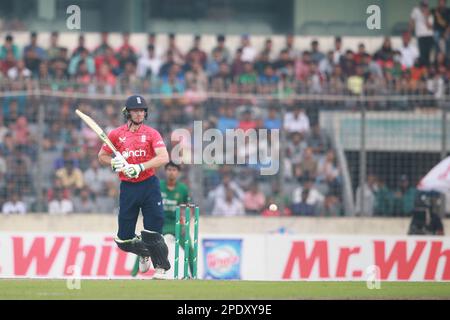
<point x="246" y="257"/>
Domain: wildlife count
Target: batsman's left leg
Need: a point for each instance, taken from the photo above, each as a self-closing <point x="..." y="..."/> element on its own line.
<point x="158" y="249"/>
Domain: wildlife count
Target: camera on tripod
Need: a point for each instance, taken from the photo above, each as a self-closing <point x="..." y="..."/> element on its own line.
<point x="426" y="218"/>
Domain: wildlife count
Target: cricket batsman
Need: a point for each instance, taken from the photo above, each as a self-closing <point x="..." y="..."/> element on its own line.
<point x="143" y="151"/>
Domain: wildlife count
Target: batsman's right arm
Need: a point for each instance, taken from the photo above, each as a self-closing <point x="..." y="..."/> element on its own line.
<point x="104" y="158"/>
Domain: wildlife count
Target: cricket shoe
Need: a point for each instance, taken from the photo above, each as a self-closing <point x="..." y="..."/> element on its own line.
<point x="160" y="274"/>
<point x="144" y="264"/>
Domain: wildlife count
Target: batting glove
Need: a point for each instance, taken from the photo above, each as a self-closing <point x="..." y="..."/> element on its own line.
<point x="118" y="164"/>
<point x="133" y="170"/>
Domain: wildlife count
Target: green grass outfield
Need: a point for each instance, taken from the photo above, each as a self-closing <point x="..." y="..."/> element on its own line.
<point x="222" y="290"/>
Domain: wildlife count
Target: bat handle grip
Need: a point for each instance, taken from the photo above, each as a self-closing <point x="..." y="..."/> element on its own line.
<point x="120" y="156"/>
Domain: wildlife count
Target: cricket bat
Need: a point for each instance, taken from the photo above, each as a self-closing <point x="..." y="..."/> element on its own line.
<point x="99" y="131"/>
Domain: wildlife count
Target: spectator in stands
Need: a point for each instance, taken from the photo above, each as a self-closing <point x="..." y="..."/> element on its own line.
<point x="237" y="66"/>
<point x="8" y="145"/>
<point x="296" y="120"/>
<point x="355" y="82"/>
<point x="441" y="27"/>
<point x="248" y="51"/>
<point x="338" y="50"/>
<point x="150" y="64"/>
<point x="385" y="53"/>
<point x="19" y="72"/>
<point x="15" y="205"/>
<point x="60" y="205"/>
<point x="33" y="54"/>
<point x="43" y="74"/>
<point x="289" y="48"/>
<point x="125" y="56"/>
<point x="358" y="56"/>
<point x="230" y="206"/>
<point x="103" y="46"/>
<point x="307" y="167"/>
<point x="221" y="50"/>
<point x="328" y="173"/>
<point x="368" y="197"/>
<point x="105" y="77"/>
<point x="81" y="47"/>
<point x="49" y="154"/>
<point x="167" y="65"/>
<point x="318" y="140"/>
<point x="128" y="78"/>
<point x="332" y="206"/>
<point x="307" y="194"/>
<point x="314" y="80"/>
<point x="262" y="61"/>
<point x="268" y="81"/>
<point x="408" y="51"/>
<point x="151" y="41"/>
<point x="370" y="67"/>
<point x="254" y="200"/>
<point x="53" y="50"/>
<point x="9" y="47"/>
<point x="383" y="199"/>
<point x="248" y="79"/>
<point x="96" y="178"/>
<point x="59" y="68"/>
<point x="7" y="63"/>
<point x="196" y="77"/>
<point x="213" y="64"/>
<point x="20" y="130"/>
<point x="272" y="121"/>
<point x="126" y="46"/>
<point x="247" y="121"/>
<point x="223" y="80"/>
<point x="316" y="54"/>
<point x="404" y="197"/>
<point x="303" y="66"/>
<point x="107" y="201"/>
<point x="18" y="171"/>
<point x="303" y="208"/>
<point x="84" y="203"/>
<point x="226" y="118"/>
<point x="71" y="177"/>
<point x="82" y="75"/>
<point x="196" y="53"/>
<point x="422" y="23"/>
<point x="173" y="84"/>
<point x="178" y="56"/>
<point x="220" y="191"/>
<point x="326" y="65"/>
<point x="3" y="130"/>
<point x="107" y="57"/>
<point x="348" y="64"/>
<point x="81" y="59"/>
<point x="282" y="62"/>
<point x="337" y="82"/>
<point x="296" y="147"/>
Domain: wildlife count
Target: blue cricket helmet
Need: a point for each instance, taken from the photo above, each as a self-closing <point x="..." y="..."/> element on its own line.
<point x="134" y="102"/>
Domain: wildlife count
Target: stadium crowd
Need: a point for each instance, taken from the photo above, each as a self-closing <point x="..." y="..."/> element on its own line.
<point x="70" y="179"/>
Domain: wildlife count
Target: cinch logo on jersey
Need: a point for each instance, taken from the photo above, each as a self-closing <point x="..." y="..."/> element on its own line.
<point x="134" y="153"/>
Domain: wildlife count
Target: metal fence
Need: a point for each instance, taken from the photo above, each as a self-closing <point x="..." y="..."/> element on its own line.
<point x="330" y="143"/>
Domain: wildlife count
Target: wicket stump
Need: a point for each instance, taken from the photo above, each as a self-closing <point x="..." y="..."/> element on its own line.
<point x="187" y="239"/>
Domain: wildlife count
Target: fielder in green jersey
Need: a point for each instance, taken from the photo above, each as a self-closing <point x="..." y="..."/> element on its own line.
<point x="173" y="193"/>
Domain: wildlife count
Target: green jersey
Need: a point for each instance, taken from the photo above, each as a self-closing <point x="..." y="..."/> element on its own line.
<point x="171" y="199"/>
